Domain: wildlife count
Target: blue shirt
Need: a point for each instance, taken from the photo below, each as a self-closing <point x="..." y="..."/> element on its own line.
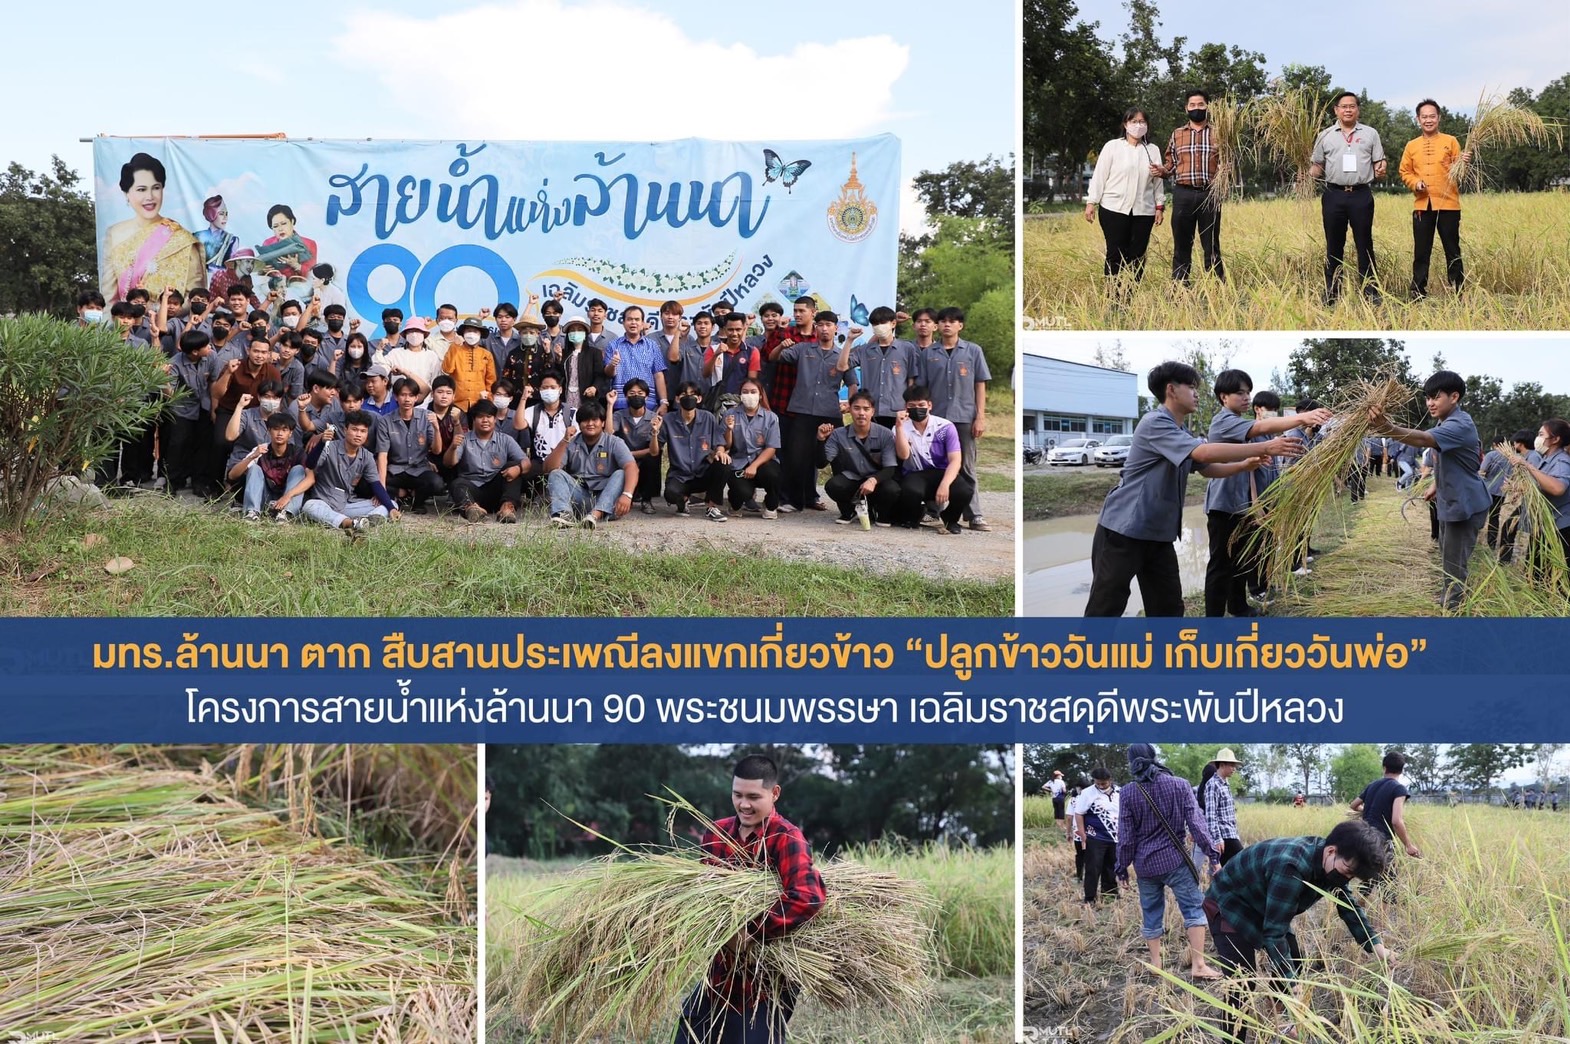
<point x="1460" y="490"/>
<point x="1147" y="503"/>
<point x="1233" y="494"/>
<point x="642" y="359"/>
<point x="1557" y="464"/>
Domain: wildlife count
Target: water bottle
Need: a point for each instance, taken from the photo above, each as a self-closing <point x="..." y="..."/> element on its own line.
<point x="861" y="513"/>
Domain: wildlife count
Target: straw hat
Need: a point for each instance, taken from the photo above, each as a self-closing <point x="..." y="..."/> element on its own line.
<point x="1224" y="756"/>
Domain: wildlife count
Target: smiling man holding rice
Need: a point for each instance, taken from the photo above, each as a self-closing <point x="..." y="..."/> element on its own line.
<point x="731" y="1007"/>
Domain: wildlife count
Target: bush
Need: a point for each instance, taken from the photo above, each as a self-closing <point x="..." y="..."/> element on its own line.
<point x="68" y="393"/>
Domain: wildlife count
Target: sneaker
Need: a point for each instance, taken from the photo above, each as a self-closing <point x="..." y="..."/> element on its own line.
<point x="980" y="525"/>
<point x="751" y="507"/>
<point x="358" y="528"/>
<point x="588" y="522"/>
<point x="282" y="518"/>
<point x="508" y="515"/>
<point x="562" y="520"/>
<point x="253" y="516"/>
<point x="883" y="525"/>
<point x="951" y="529"/>
<point x="844" y="519"/>
<point x="474" y="513"/>
<point x="1302" y="571"/>
<point x="714" y="514"/>
<point x="786" y="509"/>
<point x="647" y="507"/>
<point x="770" y="515"/>
<point x="681" y="508"/>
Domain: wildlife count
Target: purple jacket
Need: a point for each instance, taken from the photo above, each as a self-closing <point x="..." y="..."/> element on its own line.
<point x="1142" y="840"/>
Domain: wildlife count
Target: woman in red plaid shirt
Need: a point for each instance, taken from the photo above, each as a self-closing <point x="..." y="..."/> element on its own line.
<point x="731" y="1008"/>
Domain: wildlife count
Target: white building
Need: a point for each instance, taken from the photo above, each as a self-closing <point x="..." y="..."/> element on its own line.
<point x="1060" y="399"/>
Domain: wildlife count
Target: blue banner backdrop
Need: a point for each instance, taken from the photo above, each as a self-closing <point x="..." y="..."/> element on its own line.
<point x="739" y="680"/>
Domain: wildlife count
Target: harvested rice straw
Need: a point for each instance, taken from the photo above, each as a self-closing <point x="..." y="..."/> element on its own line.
<point x="1289" y="510"/>
<point x="1500" y="125"/>
<point x="624" y="939"/>
<point x="1227" y="119"/>
<point x="1539" y="548"/>
<point x="1285" y="124"/>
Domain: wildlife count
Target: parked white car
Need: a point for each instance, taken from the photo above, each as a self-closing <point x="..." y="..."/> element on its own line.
<point x="1074" y="451"/>
<point x="1114" y="453"/>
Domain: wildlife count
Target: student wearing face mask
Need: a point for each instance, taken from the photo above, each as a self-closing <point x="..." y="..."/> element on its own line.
<point x="446" y="333"/>
<point x="468" y="362"/>
<point x="532" y="357"/>
<point x="693" y="441"/>
<point x="1552" y="475"/>
<point x="247" y="427"/>
<point x="553" y="335"/>
<point x="336" y="337"/>
<point x="583" y="364"/>
<point x="356" y="358"/>
<point x="887" y="366"/>
<point x="752" y="437"/>
<point x="1193" y="161"/>
<point x="418" y="361"/>
<point x="541" y="427"/>
<point x="502" y="340"/>
<point x="392" y="327"/>
<point x="1128" y="195"/>
<point x="638" y="427"/>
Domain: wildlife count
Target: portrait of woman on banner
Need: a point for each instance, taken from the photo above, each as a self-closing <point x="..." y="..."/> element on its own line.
<point x="148" y="249"/>
<point x="286" y="251"/>
<point x="218" y="243"/>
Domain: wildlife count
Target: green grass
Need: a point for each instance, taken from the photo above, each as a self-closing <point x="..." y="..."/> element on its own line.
<point x="1038" y="813"/>
<point x="1274" y="252"/>
<point x="1079" y="491"/>
<point x="198" y="563"/>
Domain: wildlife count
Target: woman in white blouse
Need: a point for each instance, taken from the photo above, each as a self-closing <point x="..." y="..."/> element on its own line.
<point x="1129" y="193"/>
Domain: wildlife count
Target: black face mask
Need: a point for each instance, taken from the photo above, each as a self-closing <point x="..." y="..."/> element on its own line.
<point x="335" y="325"/>
<point x="198" y="307"/>
<point x="551" y="321"/>
<point x="220" y="333"/>
<point x="1198" y="115"/>
<point x="917" y="413"/>
<point x="688" y="402"/>
<point x="635" y="402"/>
<point x="391" y="326"/>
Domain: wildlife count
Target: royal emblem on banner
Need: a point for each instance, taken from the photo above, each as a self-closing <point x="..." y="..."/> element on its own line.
<point x="852" y="216"/>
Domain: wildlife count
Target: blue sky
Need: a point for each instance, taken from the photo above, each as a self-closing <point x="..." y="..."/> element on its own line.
<point x="413" y="69"/>
<point x="1401" y="51"/>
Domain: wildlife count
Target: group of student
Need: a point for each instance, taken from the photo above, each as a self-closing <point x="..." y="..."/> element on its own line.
<point x="1246" y="448"/>
<point x="1254" y="891"/>
<point x="291" y="406"/>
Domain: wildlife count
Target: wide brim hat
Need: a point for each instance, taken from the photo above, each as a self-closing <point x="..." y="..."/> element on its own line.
<point x="1224" y="756"/>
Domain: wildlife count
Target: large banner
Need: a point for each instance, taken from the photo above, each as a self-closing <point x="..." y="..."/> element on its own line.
<point x="414" y="224"/>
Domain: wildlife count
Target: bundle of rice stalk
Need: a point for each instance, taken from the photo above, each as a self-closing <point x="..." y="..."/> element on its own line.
<point x="625" y="939"/>
<point x="1287" y="513"/>
<point x="1500" y="125"/>
<point x="1285" y="124"/>
<point x="1227" y="119"/>
<point x="140" y="905"/>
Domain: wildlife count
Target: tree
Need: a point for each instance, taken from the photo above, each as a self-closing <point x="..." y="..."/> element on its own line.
<point x="1327" y="368"/>
<point x="1424" y="766"/>
<point x="1354" y="768"/>
<point x="1478" y="764"/>
<point x="1531" y="168"/>
<point x="981" y="190"/>
<point x="1207" y="361"/>
<point x="1305" y="758"/>
<point x="48" y="249"/>
<point x="1069" y="94"/>
<point x="963" y="264"/>
<point x="1112" y="357"/>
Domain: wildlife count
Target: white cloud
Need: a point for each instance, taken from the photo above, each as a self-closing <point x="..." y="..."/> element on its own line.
<point x="644" y="78"/>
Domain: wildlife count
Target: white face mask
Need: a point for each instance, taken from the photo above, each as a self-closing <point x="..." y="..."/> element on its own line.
<point x="414" y="340"/>
<point x="501" y="402"/>
<point x="447" y="325"/>
<point x="270" y="405"/>
<point x="750" y="400"/>
<point x="356" y="352"/>
<point x="550" y="396"/>
<point x="1136" y="130"/>
<point x="291" y="321"/>
<point x="1541" y="444"/>
<point x="529" y="339"/>
<point x="883" y="331"/>
<point x="471" y="337"/>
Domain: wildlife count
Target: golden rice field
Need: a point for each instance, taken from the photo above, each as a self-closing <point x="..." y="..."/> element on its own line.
<point x="1515" y="247"/>
<point x="1478" y="926"/>
<point x="970" y="915"/>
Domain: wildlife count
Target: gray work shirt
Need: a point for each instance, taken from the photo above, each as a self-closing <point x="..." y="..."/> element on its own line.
<point x="293" y="378"/>
<point x="337" y="474"/>
<point x="1496" y="468"/>
<point x="1460" y="492"/>
<point x="690" y="447"/>
<point x="752" y="435"/>
<point x="481" y="459"/>
<point x="1147" y="503"/>
<point x="688" y="367"/>
<point x="817" y="391"/>
<point x="1333" y="144"/>
<point x="952" y="374"/>
<point x="1557" y="465"/>
<point x="1231" y="494"/>
<point x="191" y="379"/>
<point x="886" y="373"/>
<point x="592" y="464"/>
<point x="253" y="431"/>
<point x="860" y="459"/>
<point x="409" y="442"/>
<point x="636" y="432"/>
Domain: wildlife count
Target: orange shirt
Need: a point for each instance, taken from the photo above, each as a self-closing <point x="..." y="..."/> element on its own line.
<point x="473" y="371"/>
<point x="1428" y="160"/>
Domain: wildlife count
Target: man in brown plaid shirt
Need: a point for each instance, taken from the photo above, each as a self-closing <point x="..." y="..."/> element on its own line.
<point x="1192" y="161"/>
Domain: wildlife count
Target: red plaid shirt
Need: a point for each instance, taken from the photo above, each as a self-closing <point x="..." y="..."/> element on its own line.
<point x="779" y="846"/>
<point x="784" y="372"/>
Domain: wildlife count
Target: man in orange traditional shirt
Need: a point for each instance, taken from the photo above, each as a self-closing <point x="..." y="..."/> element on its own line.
<point x="1436" y="200"/>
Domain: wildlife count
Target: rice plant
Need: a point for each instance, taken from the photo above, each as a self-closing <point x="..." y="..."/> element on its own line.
<point x="1227" y="119"/>
<point x="1285" y="124"/>
<point x="1498" y="124"/>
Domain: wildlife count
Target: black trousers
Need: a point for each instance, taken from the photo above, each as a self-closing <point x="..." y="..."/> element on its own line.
<point x="917" y="488"/>
<point x="1127" y="236"/>
<point x="1100" y="859"/>
<point x="1493" y="522"/>
<point x="1117" y="560"/>
<point x="882" y="500"/>
<point x="1238" y="958"/>
<point x="648" y="486"/>
<point x="1339" y="211"/>
<point x="1230" y="570"/>
<point x="490" y="495"/>
<point x="711" y="484"/>
<point x="1194" y="211"/>
<point x="1424" y="224"/>
<point x="1230" y="847"/>
<point x="1357" y="482"/>
<point x="426" y="484"/>
<point x="186" y="446"/>
<point x="768" y="477"/>
<point x="707" y="1019"/>
<point x="800" y="465"/>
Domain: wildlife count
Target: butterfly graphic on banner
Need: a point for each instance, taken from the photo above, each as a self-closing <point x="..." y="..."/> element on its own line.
<point x="858" y="312"/>
<point x="776" y="169"/>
